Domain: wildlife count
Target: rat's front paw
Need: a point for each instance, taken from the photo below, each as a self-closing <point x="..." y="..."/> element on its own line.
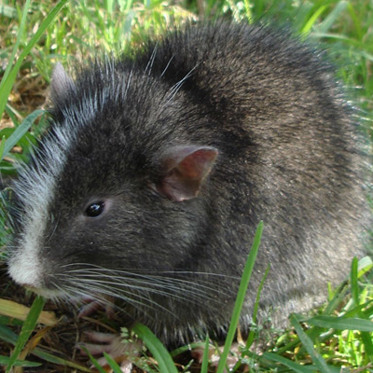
<point x="215" y="353"/>
<point x="124" y="352"/>
<point x="91" y="305"/>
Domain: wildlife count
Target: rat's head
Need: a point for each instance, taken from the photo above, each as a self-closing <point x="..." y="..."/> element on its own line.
<point x="115" y="191"/>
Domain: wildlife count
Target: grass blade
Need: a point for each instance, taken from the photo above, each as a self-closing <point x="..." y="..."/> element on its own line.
<point x="330" y="20"/>
<point x="308" y="26"/>
<point x="7" y="335"/>
<point x="288" y="363"/>
<point x="2" y="148"/>
<point x="205" y="359"/>
<point x="355" y="290"/>
<point x="4" y="360"/>
<point x="8" y="79"/>
<point x="95" y="363"/>
<point x="20" y="132"/>
<point x="27" y="329"/>
<point x="20" y="32"/>
<point x="112" y="363"/>
<point x="354" y="283"/>
<point x="251" y="336"/>
<point x="159" y="352"/>
<point x="341" y="323"/>
<point x="365" y="265"/>
<point x="240" y="297"/>
<point x="308" y="345"/>
<point x="20" y="312"/>
<point x="185" y="348"/>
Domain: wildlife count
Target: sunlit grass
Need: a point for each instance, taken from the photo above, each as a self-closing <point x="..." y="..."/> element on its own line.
<point x="34" y="38"/>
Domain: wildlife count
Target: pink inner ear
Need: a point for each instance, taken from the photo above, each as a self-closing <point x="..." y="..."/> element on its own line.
<point x="187" y="168"/>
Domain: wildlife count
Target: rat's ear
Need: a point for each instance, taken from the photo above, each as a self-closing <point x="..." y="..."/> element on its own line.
<point x="186" y="168"/>
<point x="61" y="83"/>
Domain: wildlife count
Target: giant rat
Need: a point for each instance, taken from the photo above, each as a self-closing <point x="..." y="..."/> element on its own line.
<point x="159" y="165"/>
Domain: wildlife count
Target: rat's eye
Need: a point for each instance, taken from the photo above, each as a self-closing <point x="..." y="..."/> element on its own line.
<point x="95" y="209"/>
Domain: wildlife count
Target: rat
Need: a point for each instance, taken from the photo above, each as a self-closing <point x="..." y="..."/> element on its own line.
<point x="159" y="164"/>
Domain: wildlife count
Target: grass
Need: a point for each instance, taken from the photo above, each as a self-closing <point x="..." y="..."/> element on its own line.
<point x="38" y="34"/>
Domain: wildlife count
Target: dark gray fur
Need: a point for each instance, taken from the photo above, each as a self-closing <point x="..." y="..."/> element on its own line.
<point x="288" y="155"/>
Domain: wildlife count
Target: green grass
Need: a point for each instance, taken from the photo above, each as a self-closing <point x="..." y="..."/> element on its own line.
<point x="37" y="35"/>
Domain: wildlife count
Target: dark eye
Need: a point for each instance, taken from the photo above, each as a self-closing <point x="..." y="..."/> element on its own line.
<point x="95" y="209"/>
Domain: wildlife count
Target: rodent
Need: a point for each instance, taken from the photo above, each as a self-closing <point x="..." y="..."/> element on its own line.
<point x="159" y="165"/>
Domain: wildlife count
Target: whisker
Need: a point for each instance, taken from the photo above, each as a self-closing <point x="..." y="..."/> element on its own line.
<point x="150" y="63"/>
<point x="146" y="287"/>
<point x="140" y="301"/>
<point x="168" y="64"/>
<point x="175" y="285"/>
<point x="176" y="87"/>
<point x="154" y="280"/>
<point x="125" y="87"/>
<point x="88" y="266"/>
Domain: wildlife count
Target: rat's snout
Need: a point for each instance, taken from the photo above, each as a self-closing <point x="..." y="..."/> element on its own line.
<point x="25" y="271"/>
<point x="25" y="267"/>
<point x="31" y="275"/>
<point x="29" y="268"/>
